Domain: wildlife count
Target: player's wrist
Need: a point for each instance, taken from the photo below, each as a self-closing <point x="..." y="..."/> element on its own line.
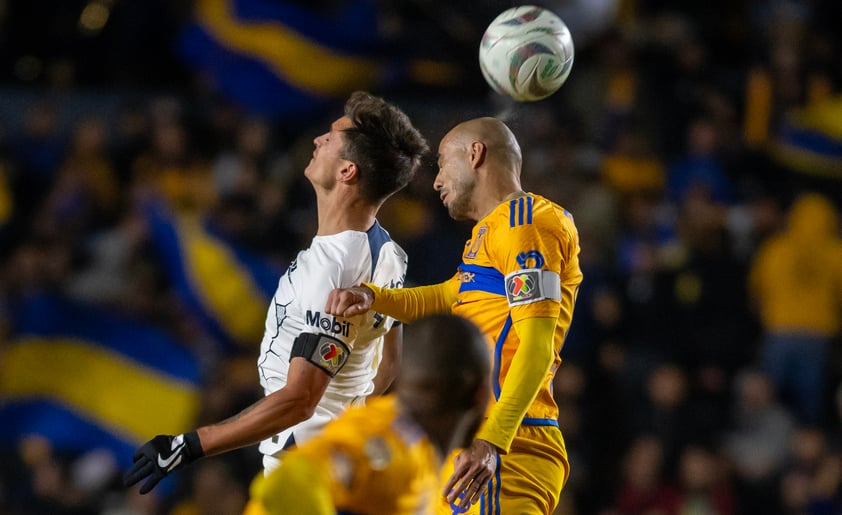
<point x="194" y="445"/>
<point x="370" y="289"/>
<point x="490" y="446"/>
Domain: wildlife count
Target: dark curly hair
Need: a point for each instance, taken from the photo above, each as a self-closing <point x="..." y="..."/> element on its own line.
<point x="383" y="143"/>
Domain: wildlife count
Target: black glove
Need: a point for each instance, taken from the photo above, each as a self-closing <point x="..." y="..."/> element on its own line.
<point x="160" y="456"/>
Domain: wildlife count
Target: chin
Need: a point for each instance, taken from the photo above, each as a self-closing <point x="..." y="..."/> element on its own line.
<point x="459" y="216"/>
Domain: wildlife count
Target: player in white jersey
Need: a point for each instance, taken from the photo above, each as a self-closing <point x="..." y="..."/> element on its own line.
<point x="312" y="366"/>
<point x="298" y="307"/>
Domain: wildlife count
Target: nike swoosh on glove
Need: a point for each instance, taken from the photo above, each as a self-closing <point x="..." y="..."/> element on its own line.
<point x="160" y="456"/>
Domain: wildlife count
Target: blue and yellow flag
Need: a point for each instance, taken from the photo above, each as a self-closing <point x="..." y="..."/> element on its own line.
<point x="227" y="288"/>
<point x="88" y="378"/>
<point x="809" y="140"/>
<point x="280" y="58"/>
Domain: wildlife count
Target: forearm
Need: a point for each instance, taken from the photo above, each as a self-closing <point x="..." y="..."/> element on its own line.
<point x="527" y="373"/>
<point x="387" y="370"/>
<point x="284" y="408"/>
<point x="409" y="304"/>
<point x="264" y="418"/>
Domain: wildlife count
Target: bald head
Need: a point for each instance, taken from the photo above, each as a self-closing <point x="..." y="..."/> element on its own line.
<point x="500" y="142"/>
<point x="445" y="363"/>
<point x="479" y="167"/>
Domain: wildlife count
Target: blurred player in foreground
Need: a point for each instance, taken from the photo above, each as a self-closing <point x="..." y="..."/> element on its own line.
<point x="313" y="366"/>
<point x="385" y="458"/>
<point x="518" y="282"/>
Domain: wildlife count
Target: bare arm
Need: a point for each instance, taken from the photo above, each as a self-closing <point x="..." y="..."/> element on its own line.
<point x="293" y="403"/>
<point x="388" y="369"/>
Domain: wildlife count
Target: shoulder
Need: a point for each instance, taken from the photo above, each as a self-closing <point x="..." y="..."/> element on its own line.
<point x="548" y="211"/>
<point x="356" y="425"/>
<point x="533" y="213"/>
<point x="323" y="257"/>
<point x="377" y="414"/>
<point x="391" y="254"/>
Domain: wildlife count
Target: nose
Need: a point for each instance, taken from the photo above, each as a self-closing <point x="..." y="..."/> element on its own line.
<point x="437" y="182"/>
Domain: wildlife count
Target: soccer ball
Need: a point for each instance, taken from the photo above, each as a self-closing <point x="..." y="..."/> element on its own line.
<point x="526" y="53"/>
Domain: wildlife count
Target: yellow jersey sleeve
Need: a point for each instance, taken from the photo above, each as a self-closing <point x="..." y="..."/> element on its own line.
<point x="527" y="373"/>
<point x="410" y="304"/>
<point x="533" y="247"/>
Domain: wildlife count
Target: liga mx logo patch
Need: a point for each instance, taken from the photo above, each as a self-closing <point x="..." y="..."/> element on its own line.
<point x="523" y="286"/>
<point x="332" y="356"/>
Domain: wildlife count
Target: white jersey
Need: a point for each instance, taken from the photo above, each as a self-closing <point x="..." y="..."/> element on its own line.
<point x="336" y="261"/>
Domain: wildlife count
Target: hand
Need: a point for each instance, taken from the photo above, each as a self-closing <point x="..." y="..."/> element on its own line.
<point x="347" y="302"/>
<point x="473" y="469"/>
<point x="160" y="456"/>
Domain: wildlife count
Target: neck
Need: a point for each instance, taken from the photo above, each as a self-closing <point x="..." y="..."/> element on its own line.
<point x="448" y="430"/>
<point x="513" y="195"/>
<point x="339" y="211"/>
<point x="496" y="196"/>
<point x="437" y="429"/>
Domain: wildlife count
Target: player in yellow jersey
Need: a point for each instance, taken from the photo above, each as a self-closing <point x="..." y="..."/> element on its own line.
<point x="518" y="282"/>
<point x="385" y="458"/>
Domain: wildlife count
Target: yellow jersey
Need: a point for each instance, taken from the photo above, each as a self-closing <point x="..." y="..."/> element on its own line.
<point x="371" y="460"/>
<point x="522" y="261"/>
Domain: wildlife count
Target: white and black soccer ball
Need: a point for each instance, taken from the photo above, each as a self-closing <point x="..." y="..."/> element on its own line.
<point x="526" y="53"/>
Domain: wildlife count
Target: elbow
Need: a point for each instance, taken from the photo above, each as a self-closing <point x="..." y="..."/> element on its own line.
<point x="543" y="354"/>
<point x="303" y="407"/>
<point x="549" y="359"/>
<point x="382" y="385"/>
<point x="388" y="377"/>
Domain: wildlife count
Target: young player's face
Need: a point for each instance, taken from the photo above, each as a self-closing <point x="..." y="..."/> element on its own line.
<point x="456" y="180"/>
<point x="327" y="161"/>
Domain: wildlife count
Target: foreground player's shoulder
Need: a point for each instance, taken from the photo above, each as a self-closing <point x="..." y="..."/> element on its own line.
<point x="351" y="431"/>
<point x="377" y="413"/>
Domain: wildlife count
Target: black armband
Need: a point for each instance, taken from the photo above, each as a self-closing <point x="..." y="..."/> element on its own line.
<point x="326" y="352"/>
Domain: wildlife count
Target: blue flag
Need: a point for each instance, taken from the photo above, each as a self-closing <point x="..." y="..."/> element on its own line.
<point x="277" y="58"/>
<point x="809" y="140"/>
<point x="88" y="378"/>
<point x="227" y="288"/>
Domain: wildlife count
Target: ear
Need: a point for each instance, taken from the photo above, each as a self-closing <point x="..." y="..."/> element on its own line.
<point x="478" y="151"/>
<point x="349" y="173"/>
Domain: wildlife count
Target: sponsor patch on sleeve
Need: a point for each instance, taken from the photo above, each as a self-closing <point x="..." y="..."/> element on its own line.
<point x="326" y="352"/>
<point x="531" y="285"/>
<point x="330" y="354"/>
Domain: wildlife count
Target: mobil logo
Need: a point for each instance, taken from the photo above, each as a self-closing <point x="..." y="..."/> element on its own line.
<point x="327" y="324"/>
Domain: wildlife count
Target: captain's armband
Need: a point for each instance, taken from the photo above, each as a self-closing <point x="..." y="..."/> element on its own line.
<point x="531" y="285"/>
<point x="326" y="352"/>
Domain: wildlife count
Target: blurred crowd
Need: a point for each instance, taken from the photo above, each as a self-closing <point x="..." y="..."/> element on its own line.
<point x="703" y="370"/>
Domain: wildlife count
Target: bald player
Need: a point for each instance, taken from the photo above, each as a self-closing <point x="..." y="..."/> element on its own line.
<point x="518" y="283"/>
<point x="385" y="458"/>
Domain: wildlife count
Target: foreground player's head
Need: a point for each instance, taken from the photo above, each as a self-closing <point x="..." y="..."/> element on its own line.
<point x="444" y="379"/>
<point x="479" y="164"/>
